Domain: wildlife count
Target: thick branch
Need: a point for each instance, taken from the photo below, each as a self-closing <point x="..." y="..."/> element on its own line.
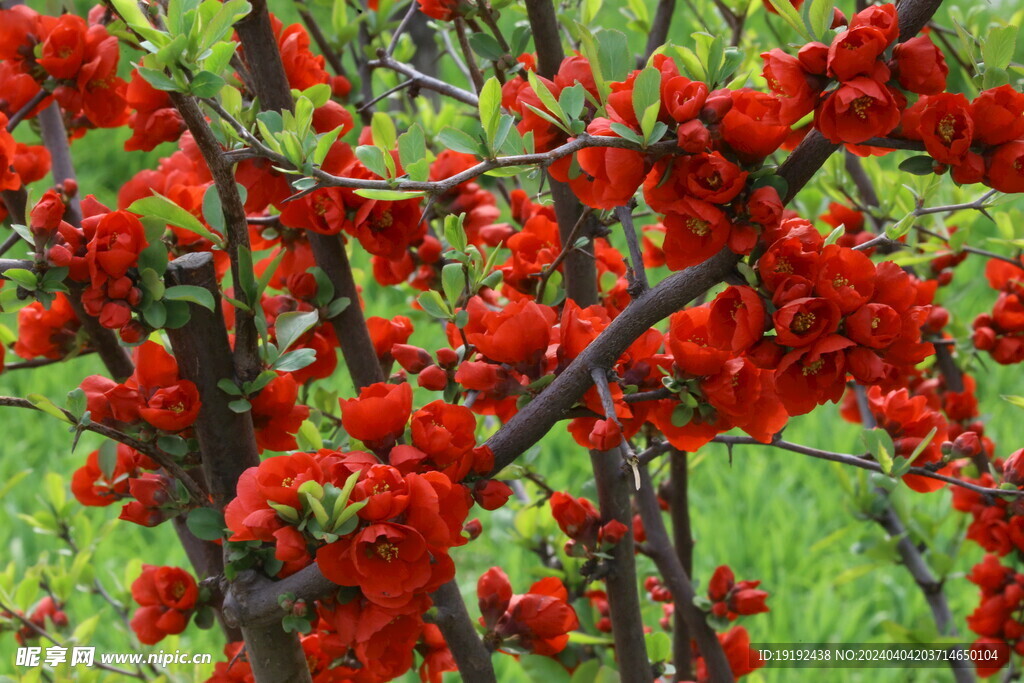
<point x="678" y="581"/>
<point x="682" y="539"/>
<point x="659" y="28"/>
<point x="246" y="351"/>
<point x="469" y="651"/>
<point x="226" y="438"/>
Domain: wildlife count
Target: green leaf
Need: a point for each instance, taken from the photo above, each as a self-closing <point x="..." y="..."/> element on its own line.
<point x="572" y="99"/>
<point x="134" y="17"/>
<point x="918" y="165"/>
<point x="490" y="109"/>
<point x="26" y="278"/>
<point x="458" y="140"/>
<point x="382" y="131"/>
<point x="219" y="27"/>
<point x="206" y="524"/>
<point x="159" y="80"/>
<point x="166" y="210"/>
<point x="292" y="325"/>
<point x="324" y="143"/>
<point x="819" y="18"/>
<point x="155" y="314"/>
<point x="834" y="236"/>
<point x="998" y="46"/>
<point x="388" y="195"/>
<point x="240" y="406"/>
<point x="788" y="13"/>
<point x="453" y="281"/>
<point x="659" y="646"/>
<point x="901" y="227"/>
<point x="880" y="445"/>
<point x="192" y="294"/>
<point x="337" y="306"/>
<point x="434" y="305"/>
<point x="454" y="232"/>
<point x="486" y="46"/>
<point x="47" y="406"/>
<point x="213" y="209"/>
<point x="107" y="459"/>
<point x="174" y="445"/>
<point x="412" y="149"/>
<point x="206" y="85"/>
<point x="614" y="55"/>
<point x="373" y="159"/>
<point x="1013" y="400"/>
<point x="546" y="97"/>
<point x="295" y="360"/>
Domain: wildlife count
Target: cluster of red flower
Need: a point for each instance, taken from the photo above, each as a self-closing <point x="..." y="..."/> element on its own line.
<point x="72" y="58"/>
<point x="167" y="598"/>
<point x="1001" y="333"/>
<point x="978" y="140"/>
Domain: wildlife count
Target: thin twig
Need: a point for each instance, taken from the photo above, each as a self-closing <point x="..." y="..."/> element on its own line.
<point x="414" y="7"/>
<point x="165" y="460"/>
<point x="638" y="274"/>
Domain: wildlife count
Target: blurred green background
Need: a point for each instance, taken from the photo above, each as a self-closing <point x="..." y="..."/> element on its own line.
<point x="771" y="515"/>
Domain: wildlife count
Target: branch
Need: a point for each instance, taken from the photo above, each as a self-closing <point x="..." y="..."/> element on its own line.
<point x="638" y="274"/>
<point x="470" y="653"/>
<point x="678" y="581"/>
<point x="467" y="53"/>
<point x="384" y="61"/>
<point x="682" y="539"/>
<point x="863" y="463"/>
<point x="160" y="457"/>
<point x="659" y="29"/>
<point x="246" y="350"/>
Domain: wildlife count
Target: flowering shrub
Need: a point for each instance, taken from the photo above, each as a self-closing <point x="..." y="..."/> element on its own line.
<point x="570" y="238"/>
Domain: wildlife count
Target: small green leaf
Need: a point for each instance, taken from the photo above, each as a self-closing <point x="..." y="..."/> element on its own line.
<point x="206" y="524"/>
<point x="834" y="236"/>
<point x="295" y="360"/>
<point x="192" y="294"/>
<point x="388" y="195"/>
<point x="486" y="46"/>
<point x="998" y="46"/>
<point x="490" y="109"/>
<point x="240" y="406"/>
<point x="458" y="140"/>
<point x="163" y="208"/>
<point x="292" y="325"/>
<point x="26" y="278"/>
<point x="900" y="227"/>
<point x="49" y="407"/>
<point x="434" y="305"/>
<point x="453" y="280"/>
<point x="918" y="165"/>
<point x="206" y="85"/>
<point x="382" y="130"/>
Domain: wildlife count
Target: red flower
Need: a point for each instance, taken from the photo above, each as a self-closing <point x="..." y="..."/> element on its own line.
<point x="9" y="179"/>
<point x="801" y="321"/>
<point x="610" y="176"/>
<point x="576" y="517"/>
<point x="388" y="562"/>
<point x="1006" y="167"/>
<point x="998" y="115"/>
<point x="172" y="408"/>
<point x="946" y="127"/>
<point x="811" y="375"/>
<point x="379" y="414"/>
<point x="795" y="86"/>
<point x="874" y="325"/>
<point x="63" y="47"/>
<point x="694" y="232"/>
<point x="731" y="599"/>
<point x="443" y="431"/>
<point x="855" y="52"/>
<point x="736" y="319"/>
<point x="539" y="621"/>
<point x="46" y="214"/>
<point x="688" y="340"/>
<point x="752" y="125"/>
<point x="845" y="277"/>
<point x="167" y="596"/>
<point x="93" y="487"/>
<point x="859" y="110"/>
<point x="882" y="17"/>
<point x="682" y="98"/>
<point x="920" y="66"/>
<point x="518" y="333"/>
<point x="442" y="10"/>
<point x="47" y="333"/>
<point x="275" y="415"/>
<point x="116" y="242"/>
